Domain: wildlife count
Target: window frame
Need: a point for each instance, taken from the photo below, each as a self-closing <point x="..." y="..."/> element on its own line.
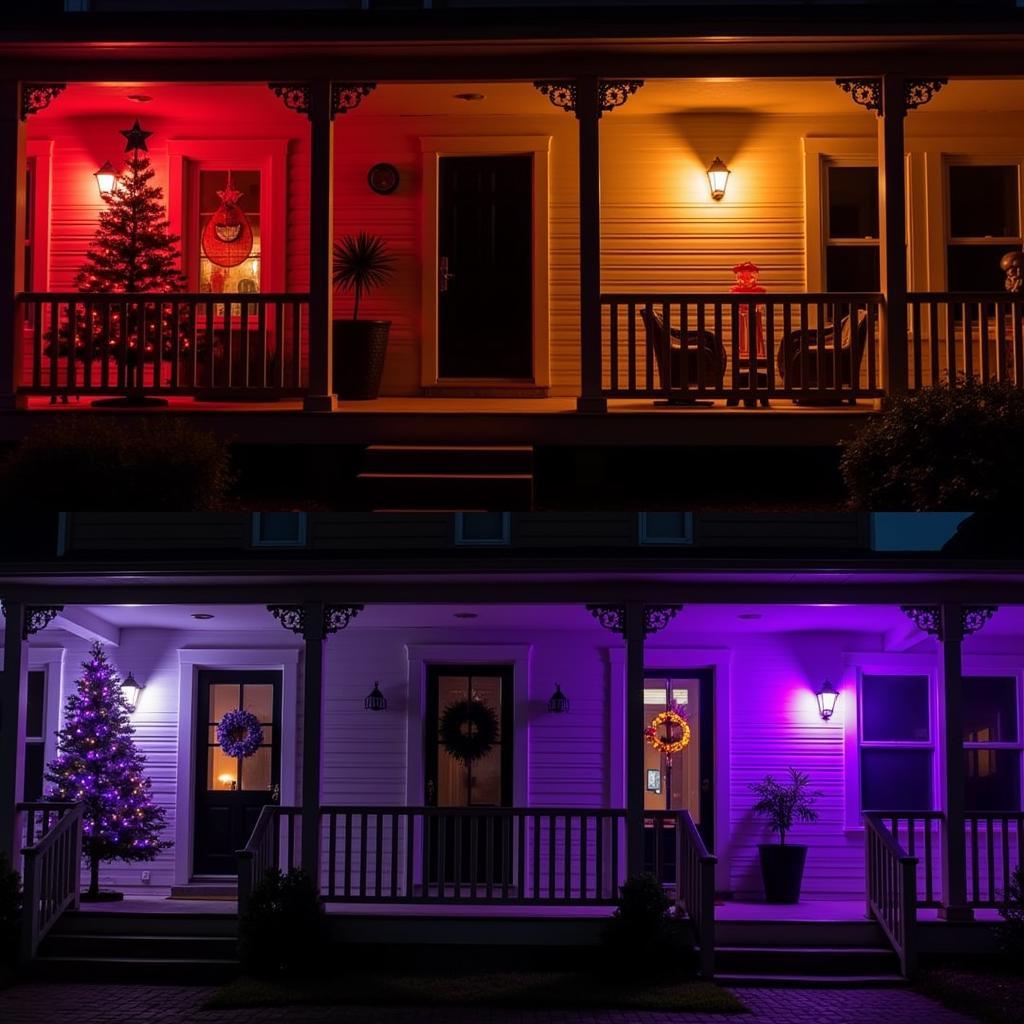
<point x="301" y="542"/>
<point x="827" y="241"/>
<point x="647" y="539"/>
<point x="1017" y="674"/>
<point x="459" y="538"/>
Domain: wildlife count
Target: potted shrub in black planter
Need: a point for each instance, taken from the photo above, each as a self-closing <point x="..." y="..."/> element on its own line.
<point x="782" y="864"/>
<point x="361" y="263"/>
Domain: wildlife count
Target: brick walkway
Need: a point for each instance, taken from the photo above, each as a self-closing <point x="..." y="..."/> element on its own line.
<point x="145" y="1004"/>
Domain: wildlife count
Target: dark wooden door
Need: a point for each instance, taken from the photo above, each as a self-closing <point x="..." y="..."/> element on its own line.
<point x="485" y="251"/>
<point x="476" y="847"/>
<point x="231" y="791"/>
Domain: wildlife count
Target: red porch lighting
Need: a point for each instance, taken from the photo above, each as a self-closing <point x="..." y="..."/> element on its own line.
<point x="106" y="180"/>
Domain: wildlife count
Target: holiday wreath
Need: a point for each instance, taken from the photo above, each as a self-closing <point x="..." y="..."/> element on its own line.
<point x="239" y="733"/>
<point x="665" y="743"/>
<point x="468" y="729"/>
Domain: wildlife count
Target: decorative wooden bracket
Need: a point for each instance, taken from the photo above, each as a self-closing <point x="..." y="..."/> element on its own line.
<point x="610" y="94"/>
<point x="613" y="617"/>
<point x="345" y="96"/>
<point x="928" y="618"/>
<point x="36" y="96"/>
<point x="293" y="616"/>
<point x="294" y="95"/>
<point x="37" y="617"/>
<point x="868" y="91"/>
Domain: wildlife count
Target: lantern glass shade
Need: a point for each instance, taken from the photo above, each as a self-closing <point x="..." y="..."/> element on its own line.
<point x="106" y="180"/>
<point x="132" y="690"/>
<point x="827" y="697"/>
<point x="559" y="703"/>
<point x="376" y="701"/>
<point x="718" y="178"/>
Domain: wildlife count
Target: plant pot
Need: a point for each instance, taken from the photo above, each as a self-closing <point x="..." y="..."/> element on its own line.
<point x="359" y="350"/>
<point x="782" y="871"/>
<point x="103" y="896"/>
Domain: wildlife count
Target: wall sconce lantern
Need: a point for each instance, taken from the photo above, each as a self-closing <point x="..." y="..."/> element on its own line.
<point x="718" y="178"/>
<point x="132" y="690"/>
<point x="106" y="180"/>
<point x="827" y="697"/>
<point x="376" y="701"/>
<point x="559" y="703"/>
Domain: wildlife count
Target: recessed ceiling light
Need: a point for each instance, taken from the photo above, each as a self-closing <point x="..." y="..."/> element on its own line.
<point x="465" y="615"/>
<point x="470" y="97"/>
<point x="201" y="615"/>
<point x="749" y="615"/>
<point x="139" y="97"/>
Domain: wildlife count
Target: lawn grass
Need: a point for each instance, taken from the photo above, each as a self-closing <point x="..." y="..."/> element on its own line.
<point x="989" y="995"/>
<point x="506" y="989"/>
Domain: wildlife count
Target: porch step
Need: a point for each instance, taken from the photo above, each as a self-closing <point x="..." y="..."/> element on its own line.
<point x="82" y="945"/>
<point x="814" y="961"/>
<point x="138" y="969"/>
<point x="204" y="891"/>
<point x="809" y="980"/>
<point x="446" y="477"/>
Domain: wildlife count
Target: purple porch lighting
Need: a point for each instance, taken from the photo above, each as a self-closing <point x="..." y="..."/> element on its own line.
<point x="559" y="703"/>
<point x="827" y="697"/>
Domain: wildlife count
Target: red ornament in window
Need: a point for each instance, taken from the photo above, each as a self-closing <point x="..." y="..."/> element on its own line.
<point x="227" y="237"/>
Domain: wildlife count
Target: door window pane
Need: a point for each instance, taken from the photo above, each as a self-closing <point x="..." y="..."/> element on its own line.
<point x="895" y="780"/>
<point x="223" y="698"/>
<point x="990" y="709"/>
<point x="258" y="698"/>
<point x="256" y="769"/>
<point x="35" y="712"/>
<point x="895" y="708"/>
<point x="993" y="780"/>
<point x="983" y="202"/>
<point x="33" y="785"/>
<point x="244" y="276"/>
<point x="852" y="202"/>
<point x="672" y="783"/>
<point x="480" y="782"/>
<point x="221" y="770"/>
<point x="482" y="527"/>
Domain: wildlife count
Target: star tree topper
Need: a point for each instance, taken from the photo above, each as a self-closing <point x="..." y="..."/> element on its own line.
<point x="136" y="138"/>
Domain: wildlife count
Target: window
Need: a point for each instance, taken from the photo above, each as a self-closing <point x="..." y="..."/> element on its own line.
<point x="35" y="735"/>
<point x="896" y="747"/>
<point x="665" y="528"/>
<point x="851" y="228"/>
<point x="984" y="223"/>
<point x="245" y="276"/>
<point x="483" y="528"/>
<point x="279" y="529"/>
<point x="992" y="752"/>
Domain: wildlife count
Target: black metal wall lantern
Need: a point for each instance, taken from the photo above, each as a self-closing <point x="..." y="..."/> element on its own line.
<point x="827" y="697"/>
<point x="132" y="690"/>
<point x="559" y="703"/>
<point x="718" y="178"/>
<point x="376" y="701"/>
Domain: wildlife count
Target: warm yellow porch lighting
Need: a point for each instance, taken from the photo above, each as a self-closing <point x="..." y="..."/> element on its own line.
<point x="718" y="178"/>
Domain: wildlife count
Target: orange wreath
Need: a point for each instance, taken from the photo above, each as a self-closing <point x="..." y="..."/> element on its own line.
<point x="663" y="743"/>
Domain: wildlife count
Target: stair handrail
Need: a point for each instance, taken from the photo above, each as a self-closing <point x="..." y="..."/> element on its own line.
<point x="51" y="871"/>
<point x="261" y="852"/>
<point x="695" y="888"/>
<point x="891" y="877"/>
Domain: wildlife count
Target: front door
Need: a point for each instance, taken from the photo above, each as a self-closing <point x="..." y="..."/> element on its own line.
<point x="231" y="791"/>
<point x="682" y="780"/>
<point x="485" y="269"/>
<point x="471" y="846"/>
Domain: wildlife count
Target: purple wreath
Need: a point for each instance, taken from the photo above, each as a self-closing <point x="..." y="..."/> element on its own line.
<point x="239" y="733"/>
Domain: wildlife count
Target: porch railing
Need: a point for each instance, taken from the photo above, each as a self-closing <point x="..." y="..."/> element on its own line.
<point x="564" y="856"/>
<point x="51" y="868"/>
<point x="891" y="875"/>
<point x="965" y="334"/>
<point x="920" y="834"/>
<point x="273" y="844"/>
<point x="813" y="347"/>
<point x="995" y="847"/>
<point x="224" y="345"/>
<point x="695" y="888"/>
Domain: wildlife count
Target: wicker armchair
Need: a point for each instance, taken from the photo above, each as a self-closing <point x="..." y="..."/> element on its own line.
<point x="700" y="362"/>
<point x="802" y="353"/>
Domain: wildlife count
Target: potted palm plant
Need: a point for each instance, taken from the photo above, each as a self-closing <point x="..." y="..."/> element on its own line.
<point x="782" y="863"/>
<point x="361" y="263"/>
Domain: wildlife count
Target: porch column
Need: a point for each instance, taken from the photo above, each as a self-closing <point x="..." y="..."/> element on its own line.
<point x="320" y="395"/>
<point x="892" y="227"/>
<point x="13" y="699"/>
<point x="12" y="240"/>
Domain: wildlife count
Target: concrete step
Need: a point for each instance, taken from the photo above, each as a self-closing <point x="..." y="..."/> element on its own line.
<point x="110" y="922"/>
<point x="814" y="961"/>
<point x="809" y="934"/>
<point x="86" y="945"/>
<point x="151" y="970"/>
<point x="465" y="459"/>
<point x="809" y="980"/>
<point x="204" y="891"/>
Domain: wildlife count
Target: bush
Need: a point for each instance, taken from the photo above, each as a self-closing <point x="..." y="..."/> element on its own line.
<point x="111" y="464"/>
<point x="10" y="912"/>
<point x="1011" y="931"/>
<point x="947" y="447"/>
<point x="282" y="934"/>
<point x="645" y="939"/>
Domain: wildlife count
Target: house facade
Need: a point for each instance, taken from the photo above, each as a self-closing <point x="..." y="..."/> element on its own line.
<point x="893" y="679"/>
<point x="561" y="236"/>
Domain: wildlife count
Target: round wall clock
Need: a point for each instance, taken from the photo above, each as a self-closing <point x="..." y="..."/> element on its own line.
<point x="383" y="178"/>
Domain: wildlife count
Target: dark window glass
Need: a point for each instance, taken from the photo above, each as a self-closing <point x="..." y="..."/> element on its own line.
<point x="895" y="780"/>
<point x="990" y="709"/>
<point x="993" y="780"/>
<point x="895" y="708"/>
<point x="483" y="527"/>
<point x="35" y="712"/>
<point x="975" y="268"/>
<point x="851" y="268"/>
<point x="281" y="528"/>
<point x="983" y="202"/>
<point x="852" y="202"/>
<point x="664" y="526"/>
<point x="33" y="771"/>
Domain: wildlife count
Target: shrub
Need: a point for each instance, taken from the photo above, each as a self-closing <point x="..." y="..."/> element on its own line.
<point x="10" y="911"/>
<point x="282" y="933"/>
<point x="645" y="939"/>
<point x="946" y="447"/>
<point x="782" y="803"/>
<point x="1011" y="931"/>
<point x="112" y="464"/>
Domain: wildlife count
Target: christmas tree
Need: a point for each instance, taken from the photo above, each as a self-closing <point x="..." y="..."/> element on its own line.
<point x="99" y="765"/>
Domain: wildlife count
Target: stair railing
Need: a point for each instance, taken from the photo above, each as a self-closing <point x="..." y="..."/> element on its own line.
<point x="891" y="875"/>
<point x="695" y="888"/>
<point x="267" y="849"/>
<point x="51" y="869"/>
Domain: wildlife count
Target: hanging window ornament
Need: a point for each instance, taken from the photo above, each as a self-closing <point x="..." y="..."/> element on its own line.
<point x="227" y="237"/>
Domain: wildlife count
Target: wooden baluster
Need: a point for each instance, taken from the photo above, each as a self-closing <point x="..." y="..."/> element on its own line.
<point x="442" y="867"/>
<point x="378" y="866"/>
<point x="990" y="858"/>
<point x="613" y="346"/>
<point x="536" y="825"/>
<point x="567" y="857"/>
<point x="363" y="854"/>
<point x="804" y="373"/>
<point x="986" y="360"/>
<point x="734" y="342"/>
<point x="296" y="345"/>
<point x="599" y="835"/>
<point x="394" y="854"/>
<point x="552" y="837"/>
<point x="631" y="348"/>
<point x="520" y="863"/>
<point x="968" y="331"/>
<point x="474" y="852"/>
<point x="821" y="349"/>
<point x="244" y="331"/>
<point x="489" y="848"/>
<point x="915" y="334"/>
<point x="666" y="342"/>
<point x="289" y="821"/>
<point x="975" y="880"/>
<point x="410" y="836"/>
<point x="348" y="854"/>
<point x="769" y="342"/>
<point x="1002" y="365"/>
<point x="1004" y="838"/>
<point x="1016" y="311"/>
<point x="933" y="338"/>
<point x="332" y="853"/>
<point x="583" y="858"/>
<point x="457" y="844"/>
<point x="952" y="364"/>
